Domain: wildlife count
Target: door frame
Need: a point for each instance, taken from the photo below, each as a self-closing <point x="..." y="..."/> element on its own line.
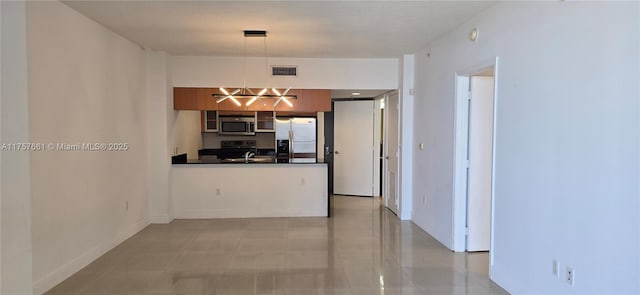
<point x="327" y="149"/>
<point x="461" y="139"/>
<point x="385" y="153"/>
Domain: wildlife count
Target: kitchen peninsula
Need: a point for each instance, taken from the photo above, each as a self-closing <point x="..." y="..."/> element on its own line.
<point x="249" y="190"/>
<point x="233" y="177"/>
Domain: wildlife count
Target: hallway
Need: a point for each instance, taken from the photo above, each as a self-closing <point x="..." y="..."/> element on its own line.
<point x="363" y="249"/>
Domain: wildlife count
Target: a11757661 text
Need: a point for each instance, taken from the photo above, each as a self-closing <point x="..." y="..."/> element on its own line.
<point x="65" y="147"/>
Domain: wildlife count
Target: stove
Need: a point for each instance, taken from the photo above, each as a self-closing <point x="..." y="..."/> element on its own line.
<point x="238" y="144"/>
<point x="236" y="148"/>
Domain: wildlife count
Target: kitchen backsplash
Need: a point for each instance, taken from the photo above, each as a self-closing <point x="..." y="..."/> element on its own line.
<point x="265" y="140"/>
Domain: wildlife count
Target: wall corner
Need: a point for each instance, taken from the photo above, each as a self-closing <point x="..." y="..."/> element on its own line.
<point x="16" y="275"/>
<point x="407" y="75"/>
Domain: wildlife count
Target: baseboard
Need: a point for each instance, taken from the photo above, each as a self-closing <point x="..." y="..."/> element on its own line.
<point x="64" y="271"/>
<point x="198" y="214"/>
<point x="160" y="219"/>
<point x="499" y="278"/>
<point x="405" y="214"/>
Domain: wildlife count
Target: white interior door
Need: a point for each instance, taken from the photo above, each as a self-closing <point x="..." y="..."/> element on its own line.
<point x="480" y="152"/>
<point x="392" y="108"/>
<point x="353" y="148"/>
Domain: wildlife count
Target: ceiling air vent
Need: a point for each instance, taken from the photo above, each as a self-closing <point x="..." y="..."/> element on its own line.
<point x="284" y="71"/>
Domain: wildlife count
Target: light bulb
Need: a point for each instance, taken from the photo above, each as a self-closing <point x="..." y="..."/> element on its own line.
<point x="286" y="91"/>
<point x="277" y="101"/>
<point x="222" y="99"/>
<point x="251" y="100"/>
<point x="235" y="101"/>
<point x="286" y="101"/>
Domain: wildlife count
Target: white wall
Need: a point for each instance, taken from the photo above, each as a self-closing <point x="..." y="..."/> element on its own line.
<point x="567" y="146"/>
<point x="249" y="190"/>
<point x="313" y="73"/>
<point x="406" y="125"/>
<point x="160" y="142"/>
<point x="86" y="84"/>
<point x="15" y="187"/>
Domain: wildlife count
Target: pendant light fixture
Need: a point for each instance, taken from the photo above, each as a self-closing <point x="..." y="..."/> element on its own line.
<point x="245" y="93"/>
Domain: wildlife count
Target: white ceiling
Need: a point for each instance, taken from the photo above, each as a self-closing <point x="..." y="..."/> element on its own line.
<point x="313" y="29"/>
<point x="348" y="93"/>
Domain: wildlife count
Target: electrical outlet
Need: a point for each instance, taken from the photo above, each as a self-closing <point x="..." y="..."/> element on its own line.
<point x="217" y="192"/>
<point x="126" y="205"/>
<point x="571" y="273"/>
<point x="424" y="199"/>
<point x="556" y="268"/>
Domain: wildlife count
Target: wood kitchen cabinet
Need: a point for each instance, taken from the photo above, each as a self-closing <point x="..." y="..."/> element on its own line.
<point x="262" y="105"/>
<point x="265" y="121"/>
<point x="296" y="104"/>
<point x="259" y="104"/>
<point x="206" y="101"/>
<point x="229" y="105"/>
<point x="209" y="121"/>
<point x="237" y="113"/>
<point x="185" y="99"/>
<point x="316" y="100"/>
<point x="308" y="101"/>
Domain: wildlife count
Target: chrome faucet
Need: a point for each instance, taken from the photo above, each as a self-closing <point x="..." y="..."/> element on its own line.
<point x="248" y="155"/>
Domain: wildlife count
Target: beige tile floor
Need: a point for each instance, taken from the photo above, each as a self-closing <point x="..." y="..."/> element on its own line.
<point x="363" y="250"/>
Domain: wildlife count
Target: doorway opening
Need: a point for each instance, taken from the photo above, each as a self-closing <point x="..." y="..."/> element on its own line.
<point x="355" y="148"/>
<point x="474" y="158"/>
<point x="355" y="143"/>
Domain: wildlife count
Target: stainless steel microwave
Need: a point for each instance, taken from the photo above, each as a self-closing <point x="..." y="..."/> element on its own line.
<point x="234" y="125"/>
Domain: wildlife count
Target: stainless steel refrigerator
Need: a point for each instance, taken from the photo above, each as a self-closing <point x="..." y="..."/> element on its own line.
<point x="296" y="140"/>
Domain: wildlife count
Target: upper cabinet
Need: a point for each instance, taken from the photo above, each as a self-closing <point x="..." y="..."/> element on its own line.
<point x="210" y="121"/>
<point x="296" y="104"/>
<point x="265" y="121"/>
<point x="230" y="105"/>
<point x="308" y="101"/>
<point x="316" y="100"/>
<point x="185" y="99"/>
<point x="206" y="101"/>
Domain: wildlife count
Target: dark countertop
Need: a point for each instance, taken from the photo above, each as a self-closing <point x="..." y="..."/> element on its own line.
<point x="182" y="160"/>
<point x="218" y="161"/>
